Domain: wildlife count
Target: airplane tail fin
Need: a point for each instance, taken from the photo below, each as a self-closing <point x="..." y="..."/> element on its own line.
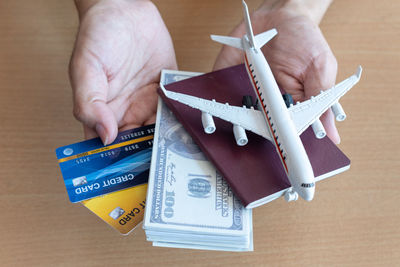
<point x="255" y="41"/>
<point x="249" y="29"/>
<point x="260" y="39"/>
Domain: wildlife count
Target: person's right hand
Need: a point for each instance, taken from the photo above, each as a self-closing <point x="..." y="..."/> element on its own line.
<point x="115" y="67"/>
<point x="299" y="56"/>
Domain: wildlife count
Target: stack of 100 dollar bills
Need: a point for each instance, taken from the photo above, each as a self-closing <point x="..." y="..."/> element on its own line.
<point x="189" y="204"/>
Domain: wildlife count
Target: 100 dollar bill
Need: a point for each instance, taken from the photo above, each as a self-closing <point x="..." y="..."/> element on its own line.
<point x="186" y="192"/>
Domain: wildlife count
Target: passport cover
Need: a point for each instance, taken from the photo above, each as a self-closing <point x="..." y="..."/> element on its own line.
<point x="254" y="171"/>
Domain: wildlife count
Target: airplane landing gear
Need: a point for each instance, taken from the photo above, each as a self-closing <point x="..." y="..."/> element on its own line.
<point x="247" y="101"/>
<point x="288" y="99"/>
<point x="291" y="195"/>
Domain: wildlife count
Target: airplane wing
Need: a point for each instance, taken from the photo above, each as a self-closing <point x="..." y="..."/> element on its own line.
<point x="250" y="119"/>
<point x="305" y="113"/>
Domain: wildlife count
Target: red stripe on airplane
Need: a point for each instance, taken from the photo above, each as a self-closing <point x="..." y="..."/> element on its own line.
<point x="265" y="112"/>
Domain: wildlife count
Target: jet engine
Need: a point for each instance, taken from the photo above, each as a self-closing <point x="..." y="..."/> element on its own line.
<point x="338" y="112"/>
<point x="319" y="130"/>
<point x="208" y="123"/>
<point x="240" y="135"/>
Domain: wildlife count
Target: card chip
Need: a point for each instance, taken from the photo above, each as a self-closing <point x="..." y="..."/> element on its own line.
<point x="116" y="213"/>
<point x="79" y="181"/>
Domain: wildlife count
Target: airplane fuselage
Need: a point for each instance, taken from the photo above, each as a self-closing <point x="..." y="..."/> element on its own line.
<point x="277" y="117"/>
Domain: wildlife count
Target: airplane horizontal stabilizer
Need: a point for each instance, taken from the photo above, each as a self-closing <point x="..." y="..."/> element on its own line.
<point x="263" y="38"/>
<point x="226" y="40"/>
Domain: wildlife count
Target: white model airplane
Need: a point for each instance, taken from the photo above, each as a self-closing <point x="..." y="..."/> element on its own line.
<point x="274" y="120"/>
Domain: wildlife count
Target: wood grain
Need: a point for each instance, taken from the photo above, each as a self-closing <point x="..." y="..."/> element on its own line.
<point x="353" y="221"/>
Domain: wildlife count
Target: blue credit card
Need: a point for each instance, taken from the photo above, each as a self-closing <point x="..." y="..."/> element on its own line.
<point x="91" y="169"/>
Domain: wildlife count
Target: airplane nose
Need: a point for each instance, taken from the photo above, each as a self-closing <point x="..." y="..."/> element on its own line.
<point x="308" y="197"/>
<point x="306" y="193"/>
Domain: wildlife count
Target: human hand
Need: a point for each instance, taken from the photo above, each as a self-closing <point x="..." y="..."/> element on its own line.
<point x="299" y="56"/>
<point x="119" y="52"/>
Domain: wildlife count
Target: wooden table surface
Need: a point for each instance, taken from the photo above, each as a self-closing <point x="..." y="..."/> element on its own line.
<point x="353" y="220"/>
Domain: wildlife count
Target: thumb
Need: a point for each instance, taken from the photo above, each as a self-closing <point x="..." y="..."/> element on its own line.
<point x="90" y="87"/>
<point x="321" y="75"/>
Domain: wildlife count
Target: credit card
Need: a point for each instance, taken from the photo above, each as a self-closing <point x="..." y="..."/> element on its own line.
<point x="91" y="169"/>
<point x="122" y="210"/>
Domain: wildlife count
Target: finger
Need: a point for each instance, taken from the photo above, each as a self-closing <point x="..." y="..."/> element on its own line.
<point x="151" y="120"/>
<point x="142" y="105"/>
<point x="328" y="120"/>
<point x="321" y="75"/>
<point x="90" y="87"/>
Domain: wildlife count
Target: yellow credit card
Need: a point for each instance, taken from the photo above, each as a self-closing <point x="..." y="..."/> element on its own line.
<point x="123" y="210"/>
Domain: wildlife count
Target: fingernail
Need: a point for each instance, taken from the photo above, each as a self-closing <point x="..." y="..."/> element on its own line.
<point x="101" y="131"/>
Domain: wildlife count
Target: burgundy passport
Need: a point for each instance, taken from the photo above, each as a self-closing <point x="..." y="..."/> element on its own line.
<point x="254" y="172"/>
